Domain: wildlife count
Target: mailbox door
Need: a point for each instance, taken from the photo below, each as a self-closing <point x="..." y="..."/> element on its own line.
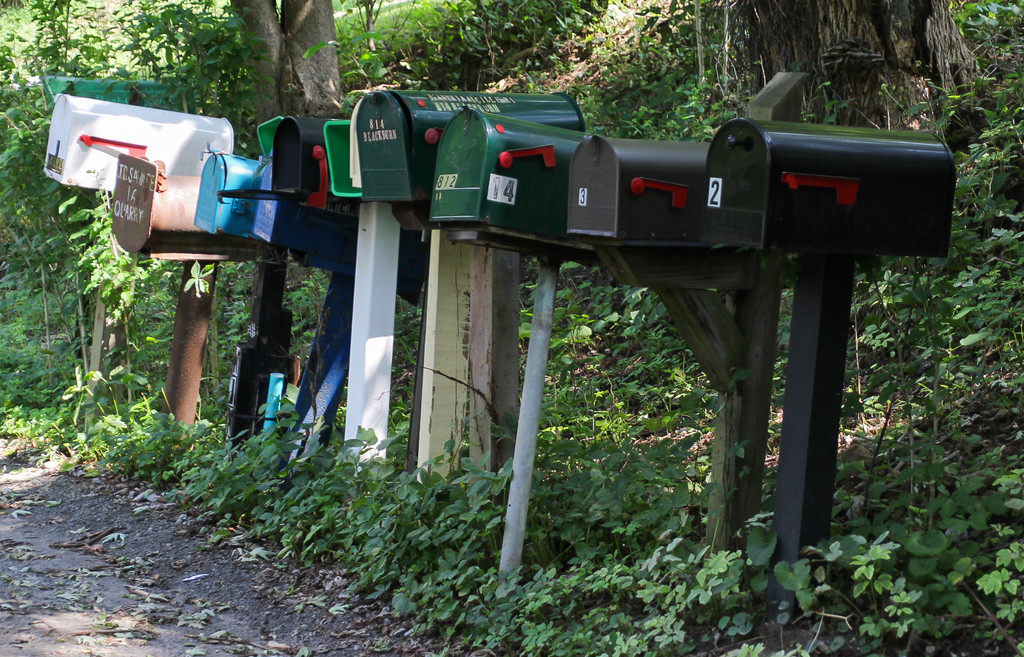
<point x="265" y="134"/>
<point x="398" y="133"/>
<point x="829" y="189"/>
<point x="297" y="168"/>
<point x="638" y="192"/>
<point x="499" y="173"/>
<point x="338" y="140"/>
<point x="234" y="216"/>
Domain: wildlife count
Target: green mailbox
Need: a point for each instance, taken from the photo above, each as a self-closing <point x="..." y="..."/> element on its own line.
<point x="504" y="182"/>
<point x="398" y="134"/>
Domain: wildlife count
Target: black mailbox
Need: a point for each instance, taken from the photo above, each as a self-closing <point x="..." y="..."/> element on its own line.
<point x="300" y="161"/>
<point x="640" y="192"/>
<point x="828" y="189"/>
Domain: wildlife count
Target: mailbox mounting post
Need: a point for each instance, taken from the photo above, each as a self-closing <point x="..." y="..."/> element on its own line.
<point x="376" y="282"/>
<point x="323" y="378"/>
<point x="746" y="339"/>
<point x="265" y="351"/>
<point x="191" y="325"/>
<point x="814" y="399"/>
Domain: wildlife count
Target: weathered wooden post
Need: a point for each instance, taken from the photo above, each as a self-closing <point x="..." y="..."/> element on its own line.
<point x="494" y="354"/>
<point x="741" y="431"/>
<point x="443" y="369"/>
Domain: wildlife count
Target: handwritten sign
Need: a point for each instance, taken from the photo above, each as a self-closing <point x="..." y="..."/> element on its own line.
<point x="133" y="201"/>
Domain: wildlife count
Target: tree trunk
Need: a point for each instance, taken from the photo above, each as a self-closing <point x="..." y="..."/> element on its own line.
<point x="879" y="58"/>
<point x="290" y="83"/>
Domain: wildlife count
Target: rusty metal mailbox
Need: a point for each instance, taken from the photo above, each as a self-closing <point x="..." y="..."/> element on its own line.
<point x="504" y="182"/>
<point x="829" y="189"/>
<point x="398" y="132"/>
<point x="154" y="213"/>
<point x="638" y="192"/>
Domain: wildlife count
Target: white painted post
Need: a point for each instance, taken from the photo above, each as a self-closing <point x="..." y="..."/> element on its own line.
<point x="373" y="323"/>
<point x="445" y="349"/>
<point x="529" y="418"/>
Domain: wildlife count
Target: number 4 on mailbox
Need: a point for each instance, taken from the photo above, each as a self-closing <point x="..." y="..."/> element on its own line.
<point x="503" y="189"/>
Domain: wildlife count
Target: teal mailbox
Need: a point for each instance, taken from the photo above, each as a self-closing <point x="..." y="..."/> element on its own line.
<point x="216" y="214"/>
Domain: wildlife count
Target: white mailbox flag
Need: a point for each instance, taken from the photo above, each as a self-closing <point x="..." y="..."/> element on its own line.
<point x="87" y="135"/>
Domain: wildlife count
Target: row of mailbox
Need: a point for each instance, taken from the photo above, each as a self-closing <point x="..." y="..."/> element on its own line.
<point x="517" y="171"/>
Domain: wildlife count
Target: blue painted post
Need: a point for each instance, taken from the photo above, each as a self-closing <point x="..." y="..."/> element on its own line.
<point x="323" y="380"/>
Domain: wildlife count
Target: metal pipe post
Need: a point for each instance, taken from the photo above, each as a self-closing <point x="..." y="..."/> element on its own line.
<point x="529" y="418"/>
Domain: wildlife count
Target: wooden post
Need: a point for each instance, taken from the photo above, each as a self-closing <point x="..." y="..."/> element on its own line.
<point x="494" y="355"/>
<point x="191" y="324"/>
<point x="444" y="352"/>
<point x="741" y="430"/>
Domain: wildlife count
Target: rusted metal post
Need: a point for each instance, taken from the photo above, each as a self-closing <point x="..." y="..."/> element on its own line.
<point x="191" y="325"/>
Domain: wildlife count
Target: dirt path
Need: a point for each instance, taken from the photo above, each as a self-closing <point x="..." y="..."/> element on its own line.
<point x="91" y="566"/>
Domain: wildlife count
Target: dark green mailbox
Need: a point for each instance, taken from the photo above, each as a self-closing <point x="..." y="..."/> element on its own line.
<point x="503" y="182"/>
<point x="398" y="133"/>
<point x="828" y="189"/>
<point x="638" y="192"/>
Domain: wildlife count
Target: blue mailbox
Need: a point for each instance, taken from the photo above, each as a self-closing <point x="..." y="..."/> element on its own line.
<point x="216" y="214"/>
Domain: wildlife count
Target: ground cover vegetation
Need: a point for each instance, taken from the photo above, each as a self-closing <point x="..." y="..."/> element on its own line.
<point x="926" y="553"/>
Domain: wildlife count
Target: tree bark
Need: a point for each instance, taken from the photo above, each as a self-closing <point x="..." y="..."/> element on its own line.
<point x="878" y="58"/>
<point x="289" y="82"/>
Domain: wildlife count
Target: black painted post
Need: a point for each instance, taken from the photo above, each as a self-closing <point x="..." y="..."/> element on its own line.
<point x="814" y="396"/>
<point x="264" y="352"/>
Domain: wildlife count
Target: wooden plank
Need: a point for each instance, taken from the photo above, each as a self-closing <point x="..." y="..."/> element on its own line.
<point x="494" y="355"/>
<point x="738" y="474"/>
<point x="709" y="331"/>
<point x="698" y="268"/>
<point x="444" y="353"/>
<point x="780" y="100"/>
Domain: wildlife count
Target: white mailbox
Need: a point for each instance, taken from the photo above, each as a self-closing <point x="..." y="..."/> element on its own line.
<point x="87" y="135"/>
